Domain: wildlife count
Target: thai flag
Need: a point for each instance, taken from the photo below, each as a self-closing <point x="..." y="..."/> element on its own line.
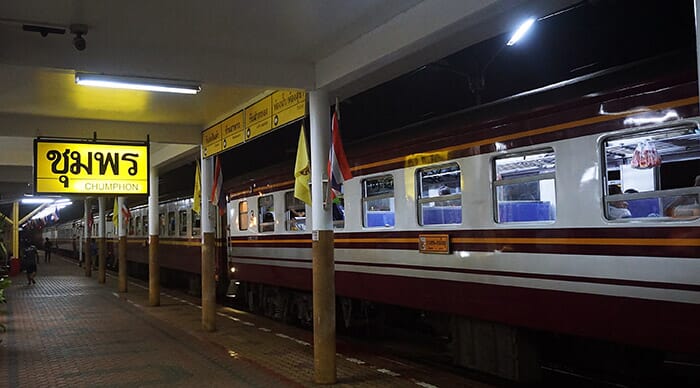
<point x="338" y="168"/>
<point x="217" y="196"/>
<point x="126" y="213"/>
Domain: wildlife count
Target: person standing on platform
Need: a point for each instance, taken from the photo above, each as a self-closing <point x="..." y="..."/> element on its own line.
<point x="47" y="251"/>
<point x="31" y="258"/>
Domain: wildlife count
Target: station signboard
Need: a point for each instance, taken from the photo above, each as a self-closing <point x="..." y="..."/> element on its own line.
<point x="269" y="113"/>
<point x="90" y="167"/>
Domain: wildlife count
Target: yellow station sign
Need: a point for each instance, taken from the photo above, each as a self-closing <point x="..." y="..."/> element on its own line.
<point x="90" y="168"/>
<point x="212" y="141"/>
<point x="287" y="106"/>
<point x="258" y="118"/>
<point x="276" y="110"/>
<point x="234" y="131"/>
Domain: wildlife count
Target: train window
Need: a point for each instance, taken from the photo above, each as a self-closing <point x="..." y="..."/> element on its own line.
<point x="196" y="223"/>
<point x="378" y="202"/>
<point x="146" y="232"/>
<point x="657" y="173"/>
<point x="131" y="226"/>
<point x="439" y="195"/>
<point x="139" y="228"/>
<point x="524" y="189"/>
<point x="338" y="204"/>
<point x="183" y="222"/>
<point x="266" y="211"/>
<point x="295" y="212"/>
<point x="162" y="224"/>
<point x="243" y="215"/>
<point x="172" y="227"/>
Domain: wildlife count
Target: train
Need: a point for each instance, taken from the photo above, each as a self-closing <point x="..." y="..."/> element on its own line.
<point x="564" y="215"/>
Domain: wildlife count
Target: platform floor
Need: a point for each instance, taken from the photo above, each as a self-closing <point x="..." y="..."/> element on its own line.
<point x="70" y="331"/>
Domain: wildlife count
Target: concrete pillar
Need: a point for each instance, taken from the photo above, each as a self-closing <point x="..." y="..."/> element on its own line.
<point x="15" y="229"/>
<point x="122" y="227"/>
<point x="153" y="231"/>
<point x="87" y="236"/>
<point x="323" y="267"/>
<point x="208" y="248"/>
<point x="101" y="235"/>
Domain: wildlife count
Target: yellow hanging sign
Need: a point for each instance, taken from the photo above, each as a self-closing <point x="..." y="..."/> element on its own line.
<point x="211" y="140"/>
<point x="258" y="118"/>
<point x="288" y="106"/>
<point x="90" y="168"/>
<point x="276" y="110"/>
<point x="233" y="131"/>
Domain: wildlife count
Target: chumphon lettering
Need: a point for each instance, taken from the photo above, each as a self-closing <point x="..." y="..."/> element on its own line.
<point x="111" y="187"/>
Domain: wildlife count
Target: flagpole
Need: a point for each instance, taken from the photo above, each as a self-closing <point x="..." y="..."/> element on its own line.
<point x="323" y="265"/>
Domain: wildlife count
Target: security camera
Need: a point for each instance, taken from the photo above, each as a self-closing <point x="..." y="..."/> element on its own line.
<point x="79" y="30"/>
<point x="79" y="42"/>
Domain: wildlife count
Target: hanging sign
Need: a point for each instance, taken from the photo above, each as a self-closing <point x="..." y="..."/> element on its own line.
<point x="288" y="106"/>
<point x="211" y="140"/>
<point x="91" y="168"/>
<point x="233" y="131"/>
<point x="276" y="110"/>
<point x="258" y="118"/>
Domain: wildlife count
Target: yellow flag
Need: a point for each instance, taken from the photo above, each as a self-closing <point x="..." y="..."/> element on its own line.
<point x="197" y="197"/>
<point x="302" y="171"/>
<point x="115" y="214"/>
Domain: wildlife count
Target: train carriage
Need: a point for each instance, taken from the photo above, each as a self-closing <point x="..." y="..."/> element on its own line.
<point x="559" y="216"/>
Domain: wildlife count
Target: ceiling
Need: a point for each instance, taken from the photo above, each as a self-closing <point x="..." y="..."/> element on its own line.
<point x="237" y="50"/>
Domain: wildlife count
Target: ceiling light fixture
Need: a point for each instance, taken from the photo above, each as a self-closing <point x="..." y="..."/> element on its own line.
<point x="520" y="32"/>
<point x="137" y="83"/>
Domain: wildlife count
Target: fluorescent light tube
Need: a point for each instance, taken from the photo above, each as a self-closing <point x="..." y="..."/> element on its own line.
<point x="137" y="83"/>
<point x="520" y="32"/>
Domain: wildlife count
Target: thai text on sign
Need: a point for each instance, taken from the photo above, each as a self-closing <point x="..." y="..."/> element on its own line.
<point x="90" y="168"/>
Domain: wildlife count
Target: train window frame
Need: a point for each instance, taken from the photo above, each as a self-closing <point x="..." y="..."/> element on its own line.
<point x="543" y="212"/>
<point x="338" y="208"/>
<point x="144" y="222"/>
<point x="295" y="213"/>
<point x="139" y="226"/>
<point x="444" y="194"/>
<point x="243" y="218"/>
<point x="655" y="200"/>
<point x="266" y="209"/>
<point x="162" y="224"/>
<point x="171" y="223"/>
<point x="183" y="222"/>
<point x="388" y="217"/>
<point x="195" y="221"/>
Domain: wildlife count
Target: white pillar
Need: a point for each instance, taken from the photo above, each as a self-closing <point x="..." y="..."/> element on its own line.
<point x="86" y="207"/>
<point x="153" y="221"/>
<point x="323" y="263"/>
<point x="101" y="247"/>
<point x="122" y="229"/>
<point x="208" y="249"/>
<point x="319" y="103"/>
<point x="206" y="173"/>
<point x="153" y="240"/>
